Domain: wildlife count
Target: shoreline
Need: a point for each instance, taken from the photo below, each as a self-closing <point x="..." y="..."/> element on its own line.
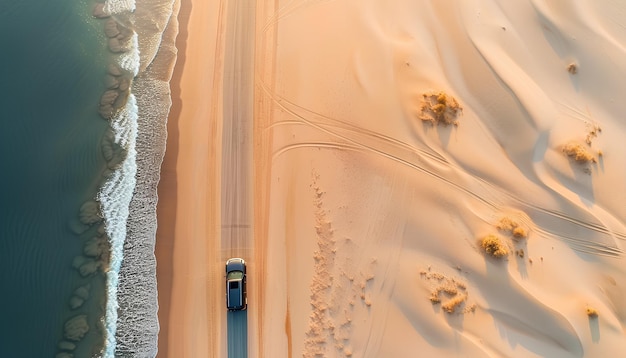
<point x="184" y="251"/>
<point x="167" y="186"/>
<point x="82" y="333"/>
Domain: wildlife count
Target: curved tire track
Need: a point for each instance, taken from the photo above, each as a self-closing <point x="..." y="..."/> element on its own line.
<point x="384" y="146"/>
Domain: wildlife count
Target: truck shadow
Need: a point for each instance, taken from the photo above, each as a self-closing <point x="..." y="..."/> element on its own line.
<point x="237" y="334"/>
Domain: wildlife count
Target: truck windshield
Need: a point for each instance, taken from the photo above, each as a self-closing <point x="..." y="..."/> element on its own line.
<point x="233" y="275"/>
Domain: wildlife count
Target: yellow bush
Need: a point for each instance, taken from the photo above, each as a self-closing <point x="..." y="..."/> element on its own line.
<point x="434" y="297"/>
<point x="451" y="305"/>
<point x="508" y="225"/>
<point x="578" y="153"/>
<point x="439" y="108"/>
<point x="572" y="68"/>
<point x="591" y="312"/>
<point x="494" y="246"/>
<point x="519" y="232"/>
<point x="449" y="292"/>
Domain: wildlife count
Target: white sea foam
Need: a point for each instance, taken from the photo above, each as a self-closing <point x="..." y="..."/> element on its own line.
<point x="137" y="323"/>
<point x="115" y="197"/>
<point x="130" y="60"/>
<point x="128" y="198"/>
<point x="119" y="6"/>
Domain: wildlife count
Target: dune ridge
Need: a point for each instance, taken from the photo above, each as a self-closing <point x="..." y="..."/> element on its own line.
<point x="527" y="147"/>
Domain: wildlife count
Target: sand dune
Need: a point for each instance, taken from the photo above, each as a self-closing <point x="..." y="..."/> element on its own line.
<point x="369" y="218"/>
<point x="407" y="201"/>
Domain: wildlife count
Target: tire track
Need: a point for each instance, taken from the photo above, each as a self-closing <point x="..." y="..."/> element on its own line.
<point x="216" y="319"/>
<point x="330" y="128"/>
<point x="387" y="155"/>
<point x="289" y="9"/>
<point x="598" y="249"/>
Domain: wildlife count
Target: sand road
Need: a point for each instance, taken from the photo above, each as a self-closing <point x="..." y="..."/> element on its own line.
<point x="205" y="191"/>
<point x="237" y="172"/>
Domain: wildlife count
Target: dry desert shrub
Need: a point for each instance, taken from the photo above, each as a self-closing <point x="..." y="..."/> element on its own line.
<point x="456" y="301"/>
<point x="448" y="291"/>
<point x="470" y="309"/>
<point x="593" y="133"/>
<point x="494" y="246"/>
<point x="436" y="276"/>
<point x="572" y="68"/>
<point x="508" y="225"/>
<point x="579" y="153"/>
<point x="592" y="312"/>
<point x="440" y="108"/>
<point x="519" y="232"/>
<point x="434" y="297"/>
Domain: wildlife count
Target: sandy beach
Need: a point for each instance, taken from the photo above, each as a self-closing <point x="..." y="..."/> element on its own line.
<point x="438" y="178"/>
<point x="185" y="253"/>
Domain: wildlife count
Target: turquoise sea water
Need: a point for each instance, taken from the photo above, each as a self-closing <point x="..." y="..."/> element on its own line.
<point x="58" y="275"/>
<point x="52" y="63"/>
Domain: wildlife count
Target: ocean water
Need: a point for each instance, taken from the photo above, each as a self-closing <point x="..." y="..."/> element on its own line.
<point x="71" y="180"/>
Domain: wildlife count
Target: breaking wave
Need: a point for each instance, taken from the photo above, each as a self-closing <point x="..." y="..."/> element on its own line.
<point x="134" y="150"/>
